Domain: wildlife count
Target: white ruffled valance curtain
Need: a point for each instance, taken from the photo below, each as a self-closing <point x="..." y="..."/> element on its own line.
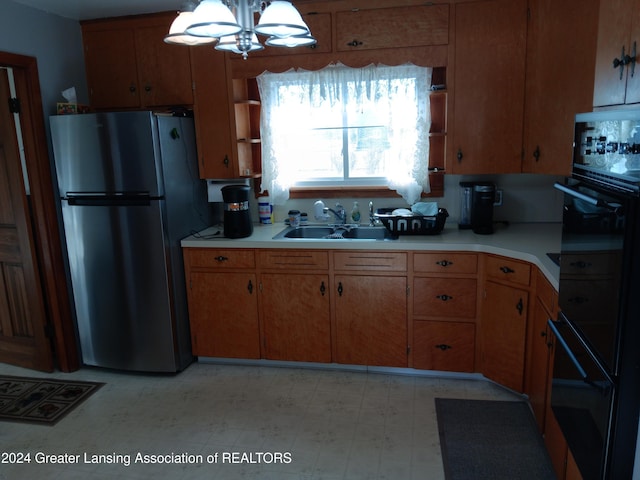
<point x="403" y="91"/>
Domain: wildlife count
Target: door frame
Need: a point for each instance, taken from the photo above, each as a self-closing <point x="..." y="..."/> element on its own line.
<point x="46" y="226"/>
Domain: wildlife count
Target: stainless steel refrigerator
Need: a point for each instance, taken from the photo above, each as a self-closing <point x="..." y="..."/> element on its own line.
<point x="129" y="191"/>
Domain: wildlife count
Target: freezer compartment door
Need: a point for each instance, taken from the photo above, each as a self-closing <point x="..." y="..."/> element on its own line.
<point x="107" y="152"/>
<point x="120" y="279"/>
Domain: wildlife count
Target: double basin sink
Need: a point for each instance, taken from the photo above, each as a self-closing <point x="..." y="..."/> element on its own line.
<point x="335" y="232"/>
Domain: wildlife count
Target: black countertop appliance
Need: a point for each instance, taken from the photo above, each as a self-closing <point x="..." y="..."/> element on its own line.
<point x="237" y="216"/>
<point x="476" y="206"/>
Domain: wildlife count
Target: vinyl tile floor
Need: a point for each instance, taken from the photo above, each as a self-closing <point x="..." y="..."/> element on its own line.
<point x="242" y="422"/>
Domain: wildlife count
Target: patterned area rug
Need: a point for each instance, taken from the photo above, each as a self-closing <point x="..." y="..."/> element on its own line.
<point x="41" y="400"/>
<point x="490" y="440"/>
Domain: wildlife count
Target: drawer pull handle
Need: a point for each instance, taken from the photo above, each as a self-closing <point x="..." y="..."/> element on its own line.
<point x="222" y="259"/>
<point x="580" y="264"/>
<point x="578" y="300"/>
<point x="250" y="287"/>
<point x="443" y="346"/>
<point x="444" y="263"/>
<point x="354" y="43"/>
<point x="444" y="297"/>
<point x="507" y="270"/>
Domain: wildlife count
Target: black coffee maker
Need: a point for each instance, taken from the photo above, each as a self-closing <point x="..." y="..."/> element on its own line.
<point x="237" y="216"/>
<point x="476" y="206"/>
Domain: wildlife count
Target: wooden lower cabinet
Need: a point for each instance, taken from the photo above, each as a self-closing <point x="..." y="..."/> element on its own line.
<point x="448" y="346"/>
<point x="371" y="320"/>
<point x="223" y="314"/>
<point x="504" y="327"/>
<point x="296" y="317"/>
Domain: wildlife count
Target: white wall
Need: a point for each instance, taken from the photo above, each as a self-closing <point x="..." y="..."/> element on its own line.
<point x="56" y="42"/>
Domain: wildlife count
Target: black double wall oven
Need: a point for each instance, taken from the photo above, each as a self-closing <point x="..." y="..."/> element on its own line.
<point x="595" y="393"/>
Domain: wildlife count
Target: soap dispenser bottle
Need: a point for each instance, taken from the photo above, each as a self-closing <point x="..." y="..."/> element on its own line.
<point x="355" y="213"/>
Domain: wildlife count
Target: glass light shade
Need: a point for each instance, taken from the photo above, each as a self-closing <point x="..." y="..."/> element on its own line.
<point x="240" y="43"/>
<point x="281" y="19"/>
<point x="213" y="19"/>
<point x="177" y="35"/>
<point x="291" y="42"/>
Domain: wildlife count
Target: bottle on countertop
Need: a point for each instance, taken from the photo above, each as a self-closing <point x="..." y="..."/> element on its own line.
<point x="355" y="213"/>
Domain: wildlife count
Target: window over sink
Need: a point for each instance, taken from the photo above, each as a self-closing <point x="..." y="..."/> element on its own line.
<point x="346" y="127"/>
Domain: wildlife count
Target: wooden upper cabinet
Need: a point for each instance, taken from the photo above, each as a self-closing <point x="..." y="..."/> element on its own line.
<point x="129" y="66"/>
<point x="112" y="73"/>
<point x="618" y="36"/>
<point x="410" y="26"/>
<point x="164" y="70"/>
<point x="559" y="84"/>
<point x="489" y="79"/>
<point x="214" y="114"/>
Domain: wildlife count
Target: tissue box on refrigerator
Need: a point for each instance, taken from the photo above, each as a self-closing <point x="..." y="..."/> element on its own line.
<point x="71" y="108"/>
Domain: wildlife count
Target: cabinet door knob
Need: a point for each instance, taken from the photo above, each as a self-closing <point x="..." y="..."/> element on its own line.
<point x="444" y="263"/>
<point x="250" y="287"/>
<point x="226" y="161"/>
<point x="340" y="289"/>
<point x="536" y="153"/>
<point x="444" y="297"/>
<point x="323" y="289"/>
<point x="443" y="346"/>
<point x="147" y="88"/>
<point x="132" y="88"/>
<point x="520" y="306"/>
<point x="459" y="155"/>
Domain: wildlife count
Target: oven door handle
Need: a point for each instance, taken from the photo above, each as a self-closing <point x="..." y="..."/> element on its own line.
<point x="586" y="198"/>
<point x="604" y="390"/>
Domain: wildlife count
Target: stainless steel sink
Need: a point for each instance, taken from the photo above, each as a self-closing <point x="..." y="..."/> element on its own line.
<point x="314" y="232"/>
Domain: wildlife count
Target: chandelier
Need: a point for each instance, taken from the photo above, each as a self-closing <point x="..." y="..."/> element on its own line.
<point x="230" y="25"/>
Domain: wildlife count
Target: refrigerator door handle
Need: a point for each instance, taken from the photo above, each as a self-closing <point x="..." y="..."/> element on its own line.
<point x="109" y="199"/>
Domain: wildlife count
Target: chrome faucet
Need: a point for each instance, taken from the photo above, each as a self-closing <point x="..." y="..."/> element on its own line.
<point x="373" y="220"/>
<point x="339" y="213"/>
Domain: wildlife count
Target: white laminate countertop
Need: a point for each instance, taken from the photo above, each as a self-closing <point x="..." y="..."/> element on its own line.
<point x="523" y="241"/>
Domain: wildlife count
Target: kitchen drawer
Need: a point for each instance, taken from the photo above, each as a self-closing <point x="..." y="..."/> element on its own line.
<point x="445" y="262"/>
<point x="590" y="263"/>
<point x="445" y="297"/>
<point x="448" y="346"/>
<point x="293" y="259"/>
<point x="370" y="261"/>
<point x="506" y="269"/>
<point x="219" y="258"/>
<point x="546" y="293"/>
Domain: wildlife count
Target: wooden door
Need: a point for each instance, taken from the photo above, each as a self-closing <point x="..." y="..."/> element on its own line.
<point x="296" y="317"/>
<point x="371" y="320"/>
<point x="489" y="83"/>
<point x="112" y="73"/>
<point x="539" y="369"/>
<point x="164" y="70"/>
<point x="560" y="76"/>
<point x="223" y="315"/>
<point x="504" y="326"/>
<point x="214" y="114"/>
<point x="614" y="34"/>
<point x="22" y="310"/>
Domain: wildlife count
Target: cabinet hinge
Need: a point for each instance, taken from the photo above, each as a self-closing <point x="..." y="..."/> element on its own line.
<point x="14" y="105"/>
